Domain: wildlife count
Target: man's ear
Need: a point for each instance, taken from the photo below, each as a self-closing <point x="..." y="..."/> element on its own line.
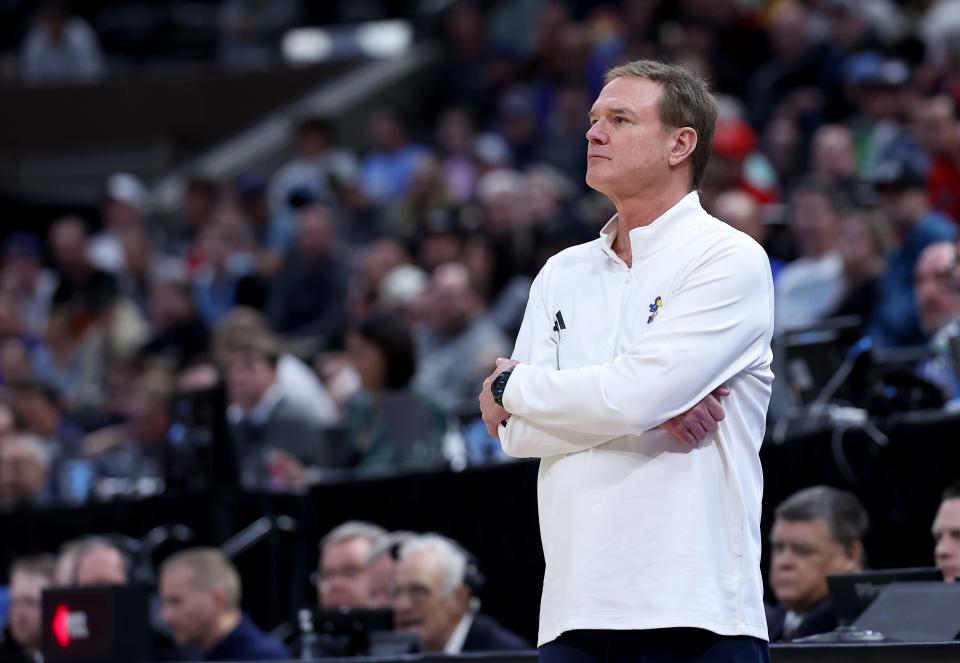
<point x="684" y="143"/>
<point x="854" y="555"/>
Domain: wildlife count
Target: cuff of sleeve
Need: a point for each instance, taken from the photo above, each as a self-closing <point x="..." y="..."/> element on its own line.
<point x="511" y="395"/>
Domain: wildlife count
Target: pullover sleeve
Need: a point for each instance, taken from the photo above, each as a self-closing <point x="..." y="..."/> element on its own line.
<point x="716" y="324"/>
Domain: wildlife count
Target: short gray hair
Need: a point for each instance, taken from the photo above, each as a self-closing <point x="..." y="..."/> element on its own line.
<point x="844" y="514"/>
<point x="210" y="570"/>
<point x="354" y="529"/>
<point x="450" y="555"/>
<point x="685" y="102"/>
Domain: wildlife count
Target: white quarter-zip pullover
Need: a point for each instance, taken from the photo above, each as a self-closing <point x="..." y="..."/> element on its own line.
<point x="640" y="531"/>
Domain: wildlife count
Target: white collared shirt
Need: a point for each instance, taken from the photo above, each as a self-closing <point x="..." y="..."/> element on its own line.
<point x="459" y="636"/>
<point x="640" y="531"/>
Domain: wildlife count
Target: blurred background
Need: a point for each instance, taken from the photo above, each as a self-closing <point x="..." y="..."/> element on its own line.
<point x="257" y="257"/>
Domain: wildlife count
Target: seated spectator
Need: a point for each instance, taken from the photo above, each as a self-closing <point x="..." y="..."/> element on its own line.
<point x="816" y="532"/>
<point x="84" y="287"/>
<point x="25" y="476"/>
<point x="200" y="593"/>
<point x="811" y="286"/>
<point x="903" y="200"/>
<point x="298" y="380"/>
<point x="938" y="302"/>
<point x="179" y="333"/>
<point x="457" y="342"/>
<point x="390" y="425"/>
<point x="23" y="275"/>
<point x="278" y="443"/>
<point x="124" y="212"/>
<point x="67" y="556"/>
<point x="29" y="576"/>
<point x="864" y="241"/>
<point x="833" y="159"/>
<point x="387" y="170"/>
<point x="432" y="600"/>
<point x="343" y="570"/>
<point x="60" y="48"/>
<point x="946" y="533"/>
<point x="938" y="125"/>
<point x="741" y="211"/>
<point x="100" y="562"/>
<point x="42" y="412"/>
<point x="224" y="278"/>
<point x="308" y="297"/>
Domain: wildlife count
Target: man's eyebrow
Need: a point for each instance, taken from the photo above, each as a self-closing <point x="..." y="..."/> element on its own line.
<point x="611" y="111"/>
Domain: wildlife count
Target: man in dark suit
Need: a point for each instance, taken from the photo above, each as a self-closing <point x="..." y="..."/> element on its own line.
<point x="818" y="531"/>
<point x="433" y="599"/>
<point x="278" y="443"/>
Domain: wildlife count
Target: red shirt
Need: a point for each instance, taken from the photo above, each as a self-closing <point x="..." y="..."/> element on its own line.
<point x="943" y="187"/>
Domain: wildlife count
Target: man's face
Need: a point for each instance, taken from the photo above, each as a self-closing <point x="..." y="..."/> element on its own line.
<point x="22" y="475"/>
<point x="938" y="299"/>
<point x="25" y="617"/>
<point x="814" y="223"/>
<point x="803" y="554"/>
<point x="628" y="147"/>
<point x="249" y="376"/>
<point x="422" y="604"/>
<point x="383" y="579"/>
<point x="946" y="533"/>
<point x="344" y="578"/>
<point x="190" y="613"/>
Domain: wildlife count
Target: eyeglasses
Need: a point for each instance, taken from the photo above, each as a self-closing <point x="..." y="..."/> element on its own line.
<point x="347" y="573"/>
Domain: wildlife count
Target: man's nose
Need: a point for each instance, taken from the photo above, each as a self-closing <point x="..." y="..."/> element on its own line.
<point x="596" y="135"/>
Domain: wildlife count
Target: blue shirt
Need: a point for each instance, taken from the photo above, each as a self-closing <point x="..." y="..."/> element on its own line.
<point x="248" y="643"/>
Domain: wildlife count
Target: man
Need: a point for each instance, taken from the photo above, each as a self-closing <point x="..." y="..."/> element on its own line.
<point x="277" y="441"/>
<point x="938" y="302"/>
<point x="817" y="531"/>
<point x="938" y="127"/>
<point x="200" y="594"/>
<point x="432" y="600"/>
<point x="652" y="546"/>
<point x="343" y="574"/>
<point x="903" y="199"/>
<point x="29" y="576"/>
<point x="100" y="563"/>
<point x="24" y="472"/>
<point x="457" y="344"/>
<point x="946" y="533"/>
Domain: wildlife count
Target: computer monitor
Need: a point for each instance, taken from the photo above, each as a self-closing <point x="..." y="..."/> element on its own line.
<point x="915" y="612"/>
<point x="852" y="593"/>
<point x="96" y="625"/>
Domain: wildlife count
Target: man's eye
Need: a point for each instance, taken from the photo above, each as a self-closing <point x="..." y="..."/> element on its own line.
<point x="619" y="120"/>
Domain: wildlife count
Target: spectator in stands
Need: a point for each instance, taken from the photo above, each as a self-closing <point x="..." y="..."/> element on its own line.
<point x="23" y="275"/>
<point x="903" y="200"/>
<point x="83" y="287"/>
<point x="343" y="571"/>
<point x="29" y="576"/>
<point x="277" y="442"/>
<point x="865" y="238"/>
<point x="179" y="334"/>
<point x="390" y="425"/>
<point x="811" y="286"/>
<point x="25" y="472"/>
<point x="938" y="301"/>
<point x="458" y="343"/>
<point x="744" y="213"/>
<point x="124" y="210"/>
<point x="200" y="593"/>
<point x="433" y="600"/>
<point x="100" y="562"/>
<point x="66" y="571"/>
<point x="387" y="170"/>
<point x="300" y="383"/>
<point x="833" y="160"/>
<point x="308" y="297"/>
<point x="40" y="407"/>
<point x="60" y="48"/>
<point x="946" y="533"/>
<point x="197" y="210"/>
<point x="225" y="276"/>
<point x="816" y="532"/>
<point x="938" y="127"/>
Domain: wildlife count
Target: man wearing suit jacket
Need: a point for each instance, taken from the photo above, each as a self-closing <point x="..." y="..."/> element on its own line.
<point x="278" y="443"/>
<point x="817" y="531"/>
<point x="433" y="600"/>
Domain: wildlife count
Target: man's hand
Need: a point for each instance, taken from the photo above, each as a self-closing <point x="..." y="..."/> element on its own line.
<point x="695" y="424"/>
<point x="492" y="413"/>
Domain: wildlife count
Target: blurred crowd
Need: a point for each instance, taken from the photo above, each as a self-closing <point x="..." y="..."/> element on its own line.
<point x="340" y="313"/>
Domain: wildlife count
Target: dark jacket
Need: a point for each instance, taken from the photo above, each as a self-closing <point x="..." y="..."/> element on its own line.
<point x="486" y="634"/>
<point x="248" y="643"/>
<point x="819" y="620"/>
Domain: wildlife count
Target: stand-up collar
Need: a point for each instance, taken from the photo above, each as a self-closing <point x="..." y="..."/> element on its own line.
<point x="656" y="235"/>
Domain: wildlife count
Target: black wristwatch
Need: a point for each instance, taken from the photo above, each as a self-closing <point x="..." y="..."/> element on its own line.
<point x="498" y="385"/>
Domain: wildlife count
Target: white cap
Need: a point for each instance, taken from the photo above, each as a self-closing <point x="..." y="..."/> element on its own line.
<point x="128" y="189"/>
<point x="402" y="284"/>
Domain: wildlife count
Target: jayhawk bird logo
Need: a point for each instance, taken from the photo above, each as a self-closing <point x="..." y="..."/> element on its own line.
<point x="655" y="308"/>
